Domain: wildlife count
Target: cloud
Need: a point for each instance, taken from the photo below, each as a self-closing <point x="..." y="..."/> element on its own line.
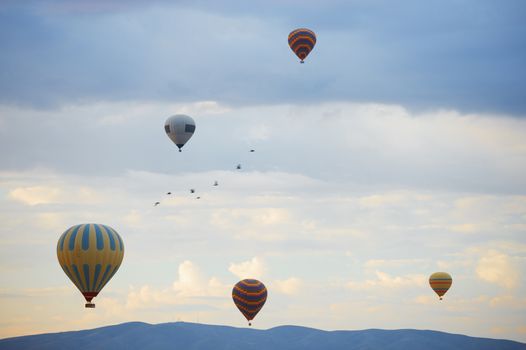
<point x="382" y="200"/>
<point x="260" y="132"/>
<point x="260" y="216"/>
<point x="290" y="286"/>
<point x="465" y="228"/>
<point x="258" y="223"/>
<point x="385" y="281"/>
<point x="192" y="283"/>
<point x="52" y="220"/>
<point x="498" y="268"/>
<point x="134" y="217"/>
<point x="254" y="268"/>
<point x="427" y="299"/>
<point x="66" y="193"/>
<point x="508" y="301"/>
<point x="190" y="288"/>
<point x="37" y="292"/>
<point x="377" y="263"/>
<point x="36" y="195"/>
<point x="202" y="108"/>
<point x="149" y="39"/>
<point x="435" y="150"/>
<point x="149" y="297"/>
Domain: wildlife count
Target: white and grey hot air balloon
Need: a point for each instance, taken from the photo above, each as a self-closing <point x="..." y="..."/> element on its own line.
<point x="179" y="129"/>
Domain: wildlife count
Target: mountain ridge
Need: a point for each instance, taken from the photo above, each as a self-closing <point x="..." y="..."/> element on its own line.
<point x="195" y="336"/>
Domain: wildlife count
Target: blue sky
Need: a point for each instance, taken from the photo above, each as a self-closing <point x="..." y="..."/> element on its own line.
<point x="462" y="55"/>
<point x="398" y="149"/>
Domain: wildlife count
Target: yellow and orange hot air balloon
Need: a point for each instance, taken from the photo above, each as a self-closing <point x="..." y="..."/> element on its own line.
<point x="90" y="254"/>
<point x="440" y="283"/>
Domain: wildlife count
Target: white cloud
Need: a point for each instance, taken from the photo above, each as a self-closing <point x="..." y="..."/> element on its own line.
<point x="147" y="297"/>
<point x="290" y="286"/>
<point x="119" y="113"/>
<point x="376" y="263"/>
<point x="254" y="268"/>
<point x="191" y="287"/>
<point x="207" y="107"/>
<point x="193" y="283"/>
<point x="36" y="195"/>
<point x="388" y="282"/>
<point x="190" y="282"/>
<point x="377" y="200"/>
<point x="134" y="217"/>
<point x="498" y="268"/>
<point x="67" y="193"/>
<point x="38" y="292"/>
<point x="259" y="216"/>
<point x="258" y="132"/>
<point x="427" y="299"/>
<point x="465" y="228"/>
<point x="508" y="301"/>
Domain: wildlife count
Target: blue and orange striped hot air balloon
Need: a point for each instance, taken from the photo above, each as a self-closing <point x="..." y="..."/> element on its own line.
<point x="440" y="283"/>
<point x="90" y="254"/>
<point x="302" y="41"/>
<point x="249" y="295"/>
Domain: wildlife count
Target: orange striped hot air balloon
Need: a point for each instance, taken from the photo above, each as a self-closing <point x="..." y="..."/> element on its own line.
<point x="440" y="283"/>
<point x="249" y="295"/>
<point x="302" y="41"/>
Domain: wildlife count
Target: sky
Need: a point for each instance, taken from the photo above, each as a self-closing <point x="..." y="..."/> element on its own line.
<point x="398" y="149"/>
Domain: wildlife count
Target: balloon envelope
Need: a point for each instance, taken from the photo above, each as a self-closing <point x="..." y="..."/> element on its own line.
<point x="179" y="129"/>
<point x="301" y="42"/>
<point x="90" y="254"/>
<point x="249" y="295"/>
<point x="440" y="282"/>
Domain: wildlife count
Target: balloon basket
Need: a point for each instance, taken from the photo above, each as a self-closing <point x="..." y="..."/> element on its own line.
<point x="89" y="306"/>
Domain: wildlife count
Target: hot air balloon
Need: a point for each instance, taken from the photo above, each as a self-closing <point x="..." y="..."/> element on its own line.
<point x="302" y="41"/>
<point x="90" y="254"/>
<point x="440" y="282"/>
<point x="249" y="295"/>
<point x="179" y="129"/>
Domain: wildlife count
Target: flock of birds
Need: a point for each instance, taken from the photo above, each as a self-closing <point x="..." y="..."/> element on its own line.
<point x="193" y="191"/>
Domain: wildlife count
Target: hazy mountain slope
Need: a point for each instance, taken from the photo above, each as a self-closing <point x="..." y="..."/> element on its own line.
<point x="190" y="336"/>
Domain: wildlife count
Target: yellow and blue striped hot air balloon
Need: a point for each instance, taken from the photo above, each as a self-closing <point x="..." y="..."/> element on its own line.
<point x="440" y="283"/>
<point x="90" y="254"/>
<point x="302" y="41"/>
<point x="249" y="295"/>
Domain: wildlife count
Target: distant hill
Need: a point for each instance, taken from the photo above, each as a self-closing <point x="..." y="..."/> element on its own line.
<point x="191" y="336"/>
